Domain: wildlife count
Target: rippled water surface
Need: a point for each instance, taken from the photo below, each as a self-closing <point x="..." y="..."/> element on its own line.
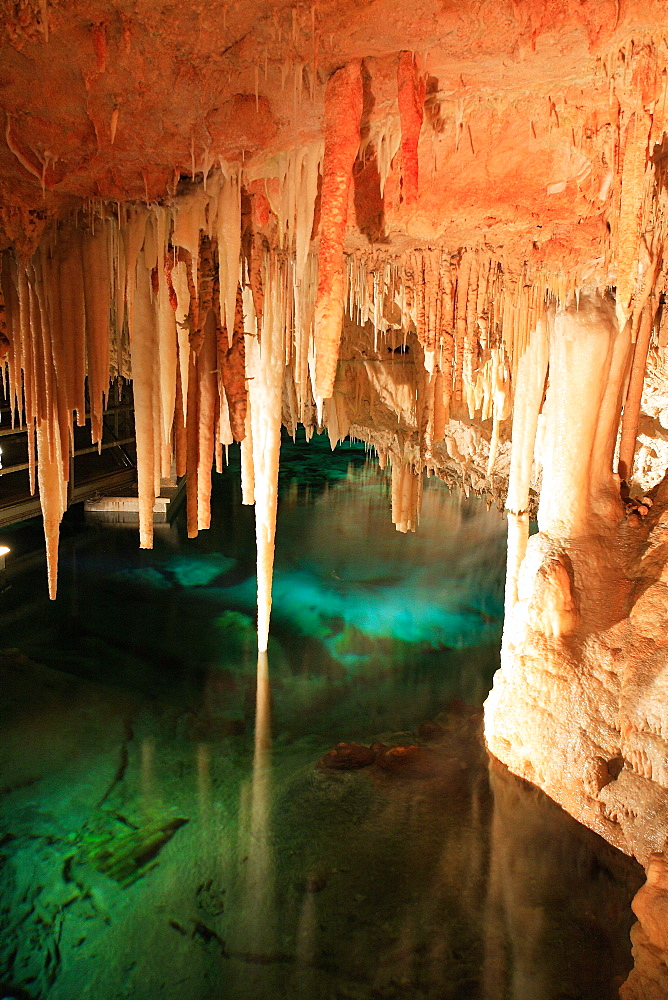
<point x="165" y="829"/>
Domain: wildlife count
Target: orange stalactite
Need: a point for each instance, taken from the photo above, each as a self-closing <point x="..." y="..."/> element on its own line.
<point x="185" y="257"/>
<point x="179" y="427"/>
<point x="411" y="95"/>
<point x="192" y="444"/>
<point x="343" y="110"/>
<point x="168" y="268"/>
<point x="4" y="339"/>
<point x="97" y="298"/>
<point x="206" y="400"/>
<point x="255" y="277"/>
<point x="232" y="367"/>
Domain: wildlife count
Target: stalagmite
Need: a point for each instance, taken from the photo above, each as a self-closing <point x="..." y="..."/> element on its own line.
<point x="343" y="109"/>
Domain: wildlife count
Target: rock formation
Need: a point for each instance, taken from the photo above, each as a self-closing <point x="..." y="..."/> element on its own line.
<point x="437" y="228"/>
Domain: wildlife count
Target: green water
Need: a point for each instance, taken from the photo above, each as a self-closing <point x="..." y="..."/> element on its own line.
<point x="164" y="829"/>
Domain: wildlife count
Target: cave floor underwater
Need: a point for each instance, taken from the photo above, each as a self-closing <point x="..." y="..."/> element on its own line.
<point x="166" y="830"/>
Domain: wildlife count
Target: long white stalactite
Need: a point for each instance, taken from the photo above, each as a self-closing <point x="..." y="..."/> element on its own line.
<point x="265" y="365"/>
<point x="528" y="398"/>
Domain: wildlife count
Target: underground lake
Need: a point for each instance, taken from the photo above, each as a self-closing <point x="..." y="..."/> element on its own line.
<point x="178" y="817"/>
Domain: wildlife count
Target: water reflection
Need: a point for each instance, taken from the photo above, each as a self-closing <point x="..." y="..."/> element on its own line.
<point x="256" y="874"/>
<point x="554" y="912"/>
<point x="258" y="906"/>
<point x="165" y="832"/>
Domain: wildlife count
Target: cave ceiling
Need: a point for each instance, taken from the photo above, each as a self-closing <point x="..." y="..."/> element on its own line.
<point x="119" y="102"/>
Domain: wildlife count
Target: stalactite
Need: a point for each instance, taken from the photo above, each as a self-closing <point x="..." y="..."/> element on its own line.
<point x="190" y="220"/>
<point x="343" y="110"/>
<point x="411" y="95"/>
<point x="247" y="469"/>
<point x="192" y="444"/>
<point x="633" y="398"/>
<point x="406" y="496"/>
<point x="207" y="391"/>
<point x="167" y="361"/>
<point x="471" y="338"/>
<point x="588" y="356"/>
<point x="265" y="364"/>
<point x="144" y="348"/>
<point x="134" y="231"/>
<point x="460" y="336"/>
<point x="179" y="426"/>
<point x="229" y="247"/>
<point x="4" y="339"/>
<point x="53" y="498"/>
<point x="97" y="286"/>
<point x="182" y="290"/>
<point x="232" y="368"/>
<point x="307" y="167"/>
<point x="630" y="210"/>
<point x="529" y="389"/>
<point x="255" y="275"/>
<point x="204" y="291"/>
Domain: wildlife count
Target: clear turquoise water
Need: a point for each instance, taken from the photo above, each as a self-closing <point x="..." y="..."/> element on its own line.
<point x="164" y="829"/>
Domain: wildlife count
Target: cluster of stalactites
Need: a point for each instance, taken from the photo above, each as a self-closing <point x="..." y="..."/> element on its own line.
<point x="470" y="315"/>
<point x="137" y="295"/>
<point x="226" y="323"/>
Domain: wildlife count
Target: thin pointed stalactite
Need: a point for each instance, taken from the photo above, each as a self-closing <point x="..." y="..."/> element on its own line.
<point x="265" y="364"/>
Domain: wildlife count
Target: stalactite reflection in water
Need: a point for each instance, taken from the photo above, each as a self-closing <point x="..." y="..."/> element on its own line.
<point x="539" y="853"/>
<point x="258" y="909"/>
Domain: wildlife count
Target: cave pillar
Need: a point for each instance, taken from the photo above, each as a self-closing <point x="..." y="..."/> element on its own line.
<point x="567" y="580"/>
<point x="580" y="704"/>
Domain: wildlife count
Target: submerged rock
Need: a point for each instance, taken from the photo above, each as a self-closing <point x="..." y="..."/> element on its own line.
<point x="430" y="732"/>
<point x="126" y="855"/>
<point x="347" y="757"/>
<point x="408" y="761"/>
